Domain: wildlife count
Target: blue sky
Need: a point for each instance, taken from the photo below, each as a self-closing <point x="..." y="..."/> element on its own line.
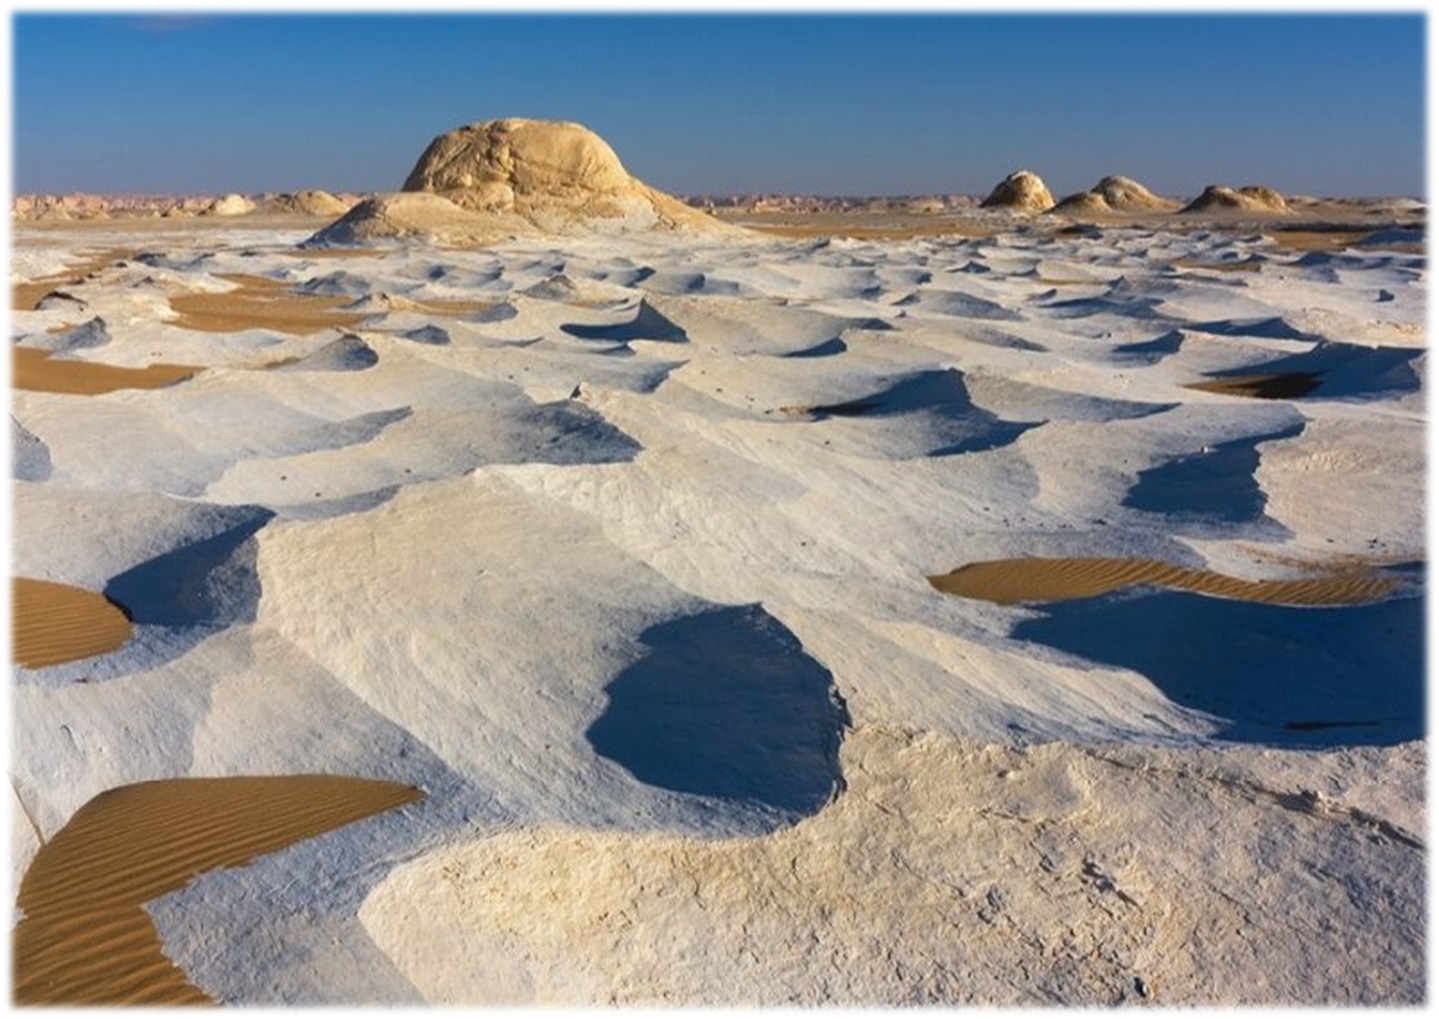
<point x="1323" y="104"/>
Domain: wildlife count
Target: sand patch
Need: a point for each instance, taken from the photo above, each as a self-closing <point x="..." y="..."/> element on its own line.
<point x="1270" y="386"/>
<point x="259" y="302"/>
<point x="37" y="371"/>
<point x="1015" y="581"/>
<point x="26" y="296"/>
<point x="1317" y="240"/>
<point x="54" y="623"/>
<point x="1247" y="265"/>
<point x="86" y="938"/>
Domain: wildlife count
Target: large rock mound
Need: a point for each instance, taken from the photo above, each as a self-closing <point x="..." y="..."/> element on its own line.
<point x="1255" y="198"/>
<point x="1021" y="191"/>
<point x="553" y="176"/>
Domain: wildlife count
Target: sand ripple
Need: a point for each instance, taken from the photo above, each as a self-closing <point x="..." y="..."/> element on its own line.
<point x="1011" y="581"/>
<point x="56" y="623"/>
<point x="86" y="938"/>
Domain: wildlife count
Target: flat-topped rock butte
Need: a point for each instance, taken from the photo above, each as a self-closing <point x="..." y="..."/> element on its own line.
<point x="526" y="588"/>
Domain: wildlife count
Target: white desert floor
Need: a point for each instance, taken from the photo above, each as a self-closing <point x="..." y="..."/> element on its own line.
<point x="627" y="573"/>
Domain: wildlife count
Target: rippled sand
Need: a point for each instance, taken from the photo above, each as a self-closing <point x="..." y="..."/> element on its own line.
<point x="86" y="938"/>
<point x="56" y="623"/>
<point x="1012" y="581"/>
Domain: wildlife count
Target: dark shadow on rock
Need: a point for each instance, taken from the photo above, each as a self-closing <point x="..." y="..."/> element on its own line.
<point x="432" y="335"/>
<point x="648" y="324"/>
<point x="1151" y="351"/>
<point x="81" y="337"/>
<point x="29" y="456"/>
<point x="955" y="304"/>
<point x="347" y="354"/>
<point x="570" y="432"/>
<point x="938" y="411"/>
<point x="208" y="583"/>
<point x="1280" y="675"/>
<point x="727" y="704"/>
<point x="1214" y="485"/>
<point x="1340" y="371"/>
<point x="829" y="348"/>
<point x="1264" y="328"/>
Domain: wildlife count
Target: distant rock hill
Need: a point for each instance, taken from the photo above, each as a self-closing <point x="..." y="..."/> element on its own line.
<point x="1114" y="194"/>
<point x="1021" y="191"/>
<point x="1219" y="198"/>
<point x="482" y="182"/>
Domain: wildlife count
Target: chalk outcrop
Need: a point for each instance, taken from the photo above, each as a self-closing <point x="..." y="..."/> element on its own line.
<point x="1253" y="198"/>
<point x="1114" y="194"/>
<point x="311" y="202"/>
<point x="1021" y="191"/>
<point x="230" y="205"/>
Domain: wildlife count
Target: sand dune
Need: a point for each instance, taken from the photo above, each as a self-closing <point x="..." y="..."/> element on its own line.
<point x="56" y="623"/>
<point x="86" y="938"/>
<point x="1014" y="581"/>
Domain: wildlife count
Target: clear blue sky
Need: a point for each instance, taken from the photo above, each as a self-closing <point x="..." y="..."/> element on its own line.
<point x="1322" y="104"/>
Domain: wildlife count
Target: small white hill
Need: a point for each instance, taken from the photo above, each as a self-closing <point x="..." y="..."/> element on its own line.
<point x="230" y="205"/>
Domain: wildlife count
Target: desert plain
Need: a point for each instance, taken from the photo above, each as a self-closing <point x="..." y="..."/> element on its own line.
<point x="528" y="588"/>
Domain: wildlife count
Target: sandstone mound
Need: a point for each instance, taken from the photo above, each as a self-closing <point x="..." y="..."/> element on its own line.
<point x="1021" y="191"/>
<point x="1254" y="198"/>
<point x="555" y="176"/>
<point x="230" y="205"/>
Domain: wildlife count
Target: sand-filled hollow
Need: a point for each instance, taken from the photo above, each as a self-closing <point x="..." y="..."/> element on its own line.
<point x="56" y="623"/>
<point x="258" y="302"/>
<point x="86" y="938"/>
<point x="1013" y="581"/>
<point x="37" y="371"/>
<point x="26" y="296"/>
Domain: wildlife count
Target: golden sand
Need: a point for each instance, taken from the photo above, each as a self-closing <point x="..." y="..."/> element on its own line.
<point x="1012" y="581"/>
<point x="261" y="303"/>
<point x="37" y="371"/>
<point x="25" y="296"/>
<point x="86" y="938"/>
<point x="56" y="623"/>
<point x="1276" y="386"/>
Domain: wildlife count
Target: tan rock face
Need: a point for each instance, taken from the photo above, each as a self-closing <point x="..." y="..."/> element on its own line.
<point x="1021" y="191"/>
<point x="487" y="166"/>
